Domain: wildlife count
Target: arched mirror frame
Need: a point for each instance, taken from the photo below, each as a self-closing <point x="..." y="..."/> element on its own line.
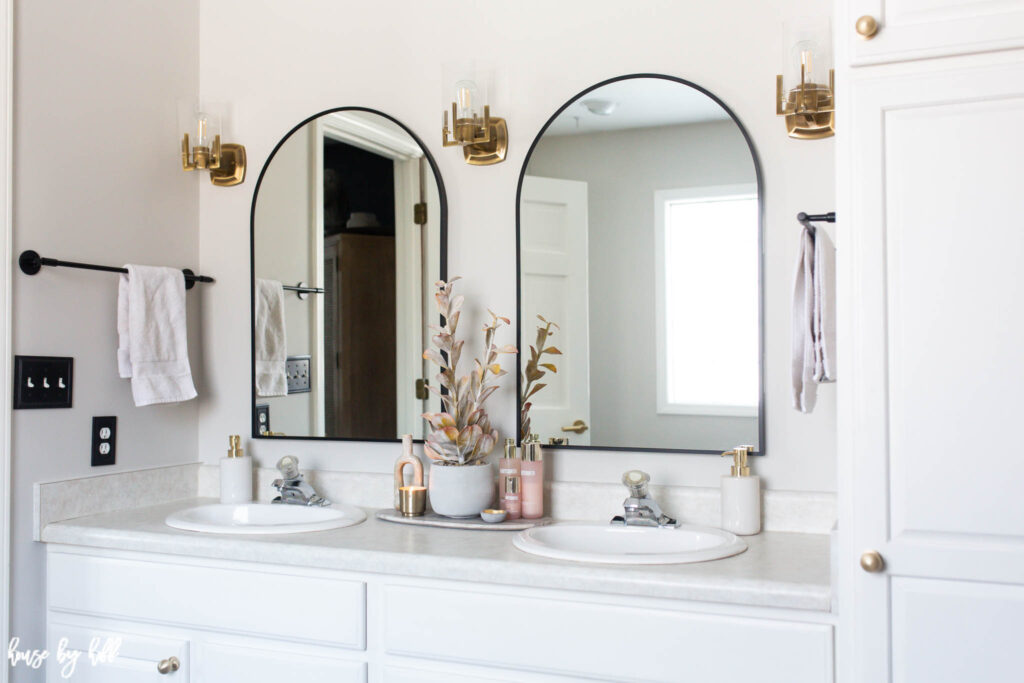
<point x="761" y="447"/>
<point x="443" y="266"/>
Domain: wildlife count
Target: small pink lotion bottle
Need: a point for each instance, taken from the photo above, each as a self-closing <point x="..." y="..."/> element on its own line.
<point x="512" y="504"/>
<point x="508" y="467"/>
<point x="533" y="480"/>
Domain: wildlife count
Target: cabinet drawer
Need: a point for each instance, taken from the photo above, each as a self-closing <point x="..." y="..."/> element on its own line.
<point x="135" y="661"/>
<point x="285" y="604"/>
<point x="608" y="642"/>
<point x="217" y="663"/>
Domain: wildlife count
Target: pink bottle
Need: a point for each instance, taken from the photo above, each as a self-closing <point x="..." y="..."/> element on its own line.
<point x="508" y="467"/>
<point x="512" y="504"/>
<point x="533" y="480"/>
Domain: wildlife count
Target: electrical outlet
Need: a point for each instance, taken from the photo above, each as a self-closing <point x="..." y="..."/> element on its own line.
<point x="104" y="440"/>
<point x="42" y="382"/>
<point x="297" y="371"/>
<point x="262" y="419"/>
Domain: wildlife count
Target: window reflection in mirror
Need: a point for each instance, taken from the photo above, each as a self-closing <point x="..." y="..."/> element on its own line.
<point x="639" y="233"/>
<point x="349" y="218"/>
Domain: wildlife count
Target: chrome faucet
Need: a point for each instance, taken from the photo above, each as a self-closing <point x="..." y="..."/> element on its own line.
<point x="293" y="488"/>
<point x="640" y="509"/>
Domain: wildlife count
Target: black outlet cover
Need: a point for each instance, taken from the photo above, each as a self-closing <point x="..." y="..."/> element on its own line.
<point x="262" y="419"/>
<point x="42" y="382"/>
<point x="104" y="443"/>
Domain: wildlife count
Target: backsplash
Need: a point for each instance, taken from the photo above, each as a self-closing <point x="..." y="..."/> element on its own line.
<point x="55" y="501"/>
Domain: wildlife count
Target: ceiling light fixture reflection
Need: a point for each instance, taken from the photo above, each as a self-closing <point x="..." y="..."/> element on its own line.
<point x="600" y="107"/>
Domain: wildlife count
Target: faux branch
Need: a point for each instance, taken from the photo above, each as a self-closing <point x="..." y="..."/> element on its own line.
<point x="462" y="434"/>
<point x="533" y="373"/>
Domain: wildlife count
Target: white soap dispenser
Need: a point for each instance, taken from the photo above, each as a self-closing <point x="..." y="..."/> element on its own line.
<point x="235" y="474"/>
<point x="741" y="495"/>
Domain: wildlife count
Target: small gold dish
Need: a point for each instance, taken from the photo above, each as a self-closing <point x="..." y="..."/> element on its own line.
<point x="492" y="516"/>
<point x="412" y="500"/>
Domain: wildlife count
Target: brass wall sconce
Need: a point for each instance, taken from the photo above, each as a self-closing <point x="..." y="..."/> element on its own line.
<point x="483" y="138"/>
<point x="809" y="104"/>
<point x="205" y="152"/>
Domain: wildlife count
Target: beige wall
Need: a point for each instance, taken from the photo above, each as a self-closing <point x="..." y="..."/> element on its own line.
<point x="305" y="56"/>
<point x="96" y="179"/>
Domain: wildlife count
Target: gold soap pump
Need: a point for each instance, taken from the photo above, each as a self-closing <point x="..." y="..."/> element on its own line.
<point x="741" y="495"/>
<point x="739" y="460"/>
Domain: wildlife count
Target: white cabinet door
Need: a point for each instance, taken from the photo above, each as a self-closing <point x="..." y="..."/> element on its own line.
<point x="135" y="658"/>
<point x="913" y="29"/>
<point x="930" y="322"/>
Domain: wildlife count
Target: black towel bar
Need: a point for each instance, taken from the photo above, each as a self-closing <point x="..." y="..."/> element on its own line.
<point x="829" y="217"/>
<point x="31" y="263"/>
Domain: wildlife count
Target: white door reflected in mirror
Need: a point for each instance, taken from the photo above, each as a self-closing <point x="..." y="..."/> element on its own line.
<point x="554" y="286"/>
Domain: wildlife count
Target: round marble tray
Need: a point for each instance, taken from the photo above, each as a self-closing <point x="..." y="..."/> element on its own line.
<point x="434" y="519"/>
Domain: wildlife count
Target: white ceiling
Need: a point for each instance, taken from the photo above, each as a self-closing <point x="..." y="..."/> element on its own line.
<point x="640" y="103"/>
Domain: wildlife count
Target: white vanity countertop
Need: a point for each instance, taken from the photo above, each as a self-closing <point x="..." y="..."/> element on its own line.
<point x="779" y="569"/>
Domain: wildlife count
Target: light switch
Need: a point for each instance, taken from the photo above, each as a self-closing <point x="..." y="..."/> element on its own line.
<point x="42" y="382"/>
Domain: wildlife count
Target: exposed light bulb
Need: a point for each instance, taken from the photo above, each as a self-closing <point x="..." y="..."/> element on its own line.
<point x="466" y="96"/>
<point x="202" y="130"/>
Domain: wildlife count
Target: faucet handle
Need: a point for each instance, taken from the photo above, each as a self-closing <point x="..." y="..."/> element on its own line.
<point x="636" y="481"/>
<point x="288" y="466"/>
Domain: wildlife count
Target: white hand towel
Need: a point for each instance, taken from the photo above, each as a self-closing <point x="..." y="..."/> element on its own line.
<point x="814" y="326"/>
<point x="271" y="343"/>
<point x="803" y="312"/>
<point x="153" y="336"/>
<point x="824" y="308"/>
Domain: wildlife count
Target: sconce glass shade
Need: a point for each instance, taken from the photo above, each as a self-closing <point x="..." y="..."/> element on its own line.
<point x="469" y="102"/>
<point x="201" y="146"/>
<point x="466" y="119"/>
<point x="805" y="94"/>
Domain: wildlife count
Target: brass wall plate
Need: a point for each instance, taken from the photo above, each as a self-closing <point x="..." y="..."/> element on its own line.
<point x="232" y="166"/>
<point x="487" y="153"/>
<point x="811" y="126"/>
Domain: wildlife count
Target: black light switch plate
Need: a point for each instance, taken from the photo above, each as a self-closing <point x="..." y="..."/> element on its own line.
<point x="297" y="372"/>
<point x="104" y="440"/>
<point x="42" y="382"/>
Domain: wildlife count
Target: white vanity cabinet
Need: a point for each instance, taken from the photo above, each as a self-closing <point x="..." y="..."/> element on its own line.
<point x="915" y="29"/>
<point x="228" y="621"/>
<point x="931" y="157"/>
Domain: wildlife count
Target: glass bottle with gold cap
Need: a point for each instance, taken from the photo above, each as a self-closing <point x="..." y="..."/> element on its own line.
<point x="235" y="473"/>
<point x="507" y="467"/>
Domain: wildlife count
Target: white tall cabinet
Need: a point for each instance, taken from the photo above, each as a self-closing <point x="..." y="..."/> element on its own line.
<point x="931" y="326"/>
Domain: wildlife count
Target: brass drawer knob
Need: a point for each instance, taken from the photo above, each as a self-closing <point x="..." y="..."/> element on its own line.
<point x="867" y="27"/>
<point x="872" y="562"/>
<point x="169" y="665"/>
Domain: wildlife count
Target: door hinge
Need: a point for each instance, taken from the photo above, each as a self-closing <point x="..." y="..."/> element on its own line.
<point x="422" y="393"/>
<point x="419" y="213"/>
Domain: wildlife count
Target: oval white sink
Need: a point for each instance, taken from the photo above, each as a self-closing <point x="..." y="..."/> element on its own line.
<point x="614" y="544"/>
<point x="262" y="518"/>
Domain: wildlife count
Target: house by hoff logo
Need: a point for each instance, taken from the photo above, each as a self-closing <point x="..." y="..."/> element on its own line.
<point x="101" y="651"/>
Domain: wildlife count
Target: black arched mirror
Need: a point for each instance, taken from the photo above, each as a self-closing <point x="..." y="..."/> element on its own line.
<point x="349" y="233"/>
<point x="639" y="228"/>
